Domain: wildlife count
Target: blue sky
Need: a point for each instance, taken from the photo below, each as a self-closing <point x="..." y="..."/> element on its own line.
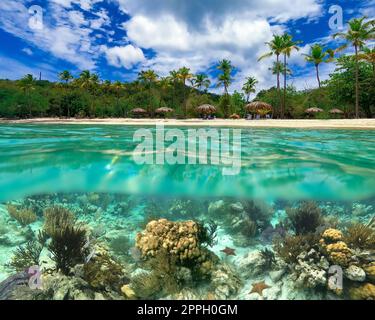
<point x="118" y="38"/>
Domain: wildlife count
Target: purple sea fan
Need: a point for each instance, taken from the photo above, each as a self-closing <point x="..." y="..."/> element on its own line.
<point x="270" y="233"/>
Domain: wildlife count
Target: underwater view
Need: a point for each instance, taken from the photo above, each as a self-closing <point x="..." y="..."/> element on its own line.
<point x="80" y="219"/>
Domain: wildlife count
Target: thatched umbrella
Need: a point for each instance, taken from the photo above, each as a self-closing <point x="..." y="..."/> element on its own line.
<point x="313" y="110"/>
<point x="258" y="107"/>
<point x="206" y="109"/>
<point x="138" y="111"/>
<point x="164" y="110"/>
<point x="336" y="111"/>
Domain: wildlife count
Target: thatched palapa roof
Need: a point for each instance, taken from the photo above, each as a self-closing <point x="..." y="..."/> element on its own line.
<point x="336" y="111"/>
<point x="313" y="110"/>
<point x="139" y="110"/>
<point x="206" y="109"/>
<point x="257" y="106"/>
<point x="164" y="110"/>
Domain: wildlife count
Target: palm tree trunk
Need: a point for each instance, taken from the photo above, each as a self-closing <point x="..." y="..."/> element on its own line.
<point x="185" y="102"/>
<point x="284" y="100"/>
<point x="317" y="74"/>
<point x="356" y="83"/>
<point x="278" y="73"/>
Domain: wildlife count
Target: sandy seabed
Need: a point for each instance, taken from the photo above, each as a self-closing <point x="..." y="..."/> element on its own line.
<point x="299" y="123"/>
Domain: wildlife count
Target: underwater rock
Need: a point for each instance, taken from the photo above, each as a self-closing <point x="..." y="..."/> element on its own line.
<point x="276" y="275"/>
<point x="128" y="292"/>
<point x="237" y="207"/>
<point x="355" y="273"/>
<point x="9" y="285"/>
<point x="251" y="264"/>
<point x="225" y="282"/>
<point x="311" y="269"/>
<point x="359" y="209"/>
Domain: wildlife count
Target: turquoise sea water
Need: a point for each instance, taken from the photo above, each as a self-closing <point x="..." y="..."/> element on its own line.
<point x="90" y="171"/>
<point x="275" y="164"/>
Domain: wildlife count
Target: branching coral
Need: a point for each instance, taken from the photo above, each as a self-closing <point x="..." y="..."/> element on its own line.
<point x="26" y="256"/>
<point x="57" y="219"/>
<point x="269" y="258"/>
<point x="23" y="216"/>
<point x="306" y="218"/>
<point x="68" y="247"/>
<point x="360" y="236"/>
<point x="102" y="272"/>
<point x="290" y="247"/>
<point x="207" y="232"/>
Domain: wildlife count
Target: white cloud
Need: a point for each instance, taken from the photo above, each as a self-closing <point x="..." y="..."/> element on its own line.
<point x="28" y="51"/>
<point x="126" y="56"/>
<point x="200" y="33"/>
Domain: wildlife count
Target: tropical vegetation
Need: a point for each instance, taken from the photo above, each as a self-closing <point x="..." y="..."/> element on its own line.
<point x="349" y="88"/>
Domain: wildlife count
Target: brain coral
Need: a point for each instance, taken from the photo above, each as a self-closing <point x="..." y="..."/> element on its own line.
<point x="179" y="239"/>
<point x="336" y="250"/>
<point x="363" y="292"/>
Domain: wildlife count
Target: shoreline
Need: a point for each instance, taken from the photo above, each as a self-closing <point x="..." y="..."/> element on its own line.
<point x="361" y="124"/>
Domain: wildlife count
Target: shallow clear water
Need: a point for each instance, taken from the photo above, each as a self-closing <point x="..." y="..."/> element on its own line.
<point x="90" y="171"/>
<point x="275" y="164"/>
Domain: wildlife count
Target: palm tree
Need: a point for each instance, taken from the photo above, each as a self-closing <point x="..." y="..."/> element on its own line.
<point x="288" y="45"/>
<point x="185" y="75"/>
<point x="149" y="78"/>
<point x="201" y="81"/>
<point x="225" y="79"/>
<point x="359" y="31"/>
<point x="174" y="78"/>
<point x="368" y="55"/>
<point x="164" y="84"/>
<point x="117" y="86"/>
<point x="278" y="68"/>
<point x="27" y="84"/>
<point x="65" y="76"/>
<point x="276" y="47"/>
<point x="249" y="87"/>
<point x="317" y="56"/>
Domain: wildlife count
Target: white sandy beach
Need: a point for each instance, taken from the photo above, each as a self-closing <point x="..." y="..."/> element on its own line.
<point x="298" y="123"/>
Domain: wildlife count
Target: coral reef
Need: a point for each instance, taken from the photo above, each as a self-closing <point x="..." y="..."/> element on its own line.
<point x="362" y="292"/>
<point x="57" y="218"/>
<point x="102" y="272"/>
<point x="179" y="239"/>
<point x="26" y="256"/>
<point x="23" y="216"/>
<point x="337" y="251"/>
<point x="306" y="218"/>
<point x="289" y="248"/>
<point x="360" y="236"/>
<point x="68" y="247"/>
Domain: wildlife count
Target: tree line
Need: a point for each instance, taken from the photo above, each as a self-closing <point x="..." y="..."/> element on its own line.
<point x="350" y="87"/>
